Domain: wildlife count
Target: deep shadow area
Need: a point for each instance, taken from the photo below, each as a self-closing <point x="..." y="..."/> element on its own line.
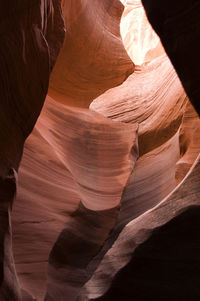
<point x="177" y="23"/>
<point x="164" y="268"/>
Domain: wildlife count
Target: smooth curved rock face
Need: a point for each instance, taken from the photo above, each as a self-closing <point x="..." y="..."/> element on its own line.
<point x="46" y="196"/>
<point x="153" y="108"/>
<point x="93" y="186"/>
<point x="177" y="25"/>
<point x="99" y="152"/>
<point x="153" y="177"/>
<point x="150" y="251"/>
<point x="93" y="58"/>
<point x="26" y="56"/>
<point x="69" y="146"/>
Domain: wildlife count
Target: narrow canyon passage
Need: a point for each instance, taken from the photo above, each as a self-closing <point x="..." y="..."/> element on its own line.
<point x="110" y="166"/>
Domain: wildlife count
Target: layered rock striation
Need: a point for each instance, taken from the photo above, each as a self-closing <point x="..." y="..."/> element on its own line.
<point x="108" y="186"/>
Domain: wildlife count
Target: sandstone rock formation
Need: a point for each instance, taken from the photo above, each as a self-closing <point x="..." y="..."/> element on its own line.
<point x="31" y="36"/>
<point x="157" y="252"/>
<point x="107" y="204"/>
<point x="93" y="58"/>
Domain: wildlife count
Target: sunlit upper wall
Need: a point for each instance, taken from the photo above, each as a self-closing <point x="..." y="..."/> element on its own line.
<point x="140" y="40"/>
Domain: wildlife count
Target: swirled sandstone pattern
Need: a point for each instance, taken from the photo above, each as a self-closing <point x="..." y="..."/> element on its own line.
<point x="107" y="202"/>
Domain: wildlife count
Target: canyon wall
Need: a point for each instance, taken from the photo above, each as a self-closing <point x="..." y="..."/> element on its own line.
<point x="106" y="180"/>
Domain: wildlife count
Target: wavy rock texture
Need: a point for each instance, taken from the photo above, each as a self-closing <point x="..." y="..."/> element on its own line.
<point x="157" y="252"/>
<point x="54" y="174"/>
<point x="153" y="177"/>
<point x="46" y="195"/>
<point x="93" y="58"/>
<point x="106" y="185"/>
<point x="135" y="101"/>
<point x="84" y="135"/>
<point x="28" y="32"/>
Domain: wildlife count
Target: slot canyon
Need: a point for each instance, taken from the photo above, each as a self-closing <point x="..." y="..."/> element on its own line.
<point x="99" y="150"/>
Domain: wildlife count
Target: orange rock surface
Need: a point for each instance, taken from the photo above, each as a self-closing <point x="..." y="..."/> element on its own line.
<point x="100" y="183"/>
